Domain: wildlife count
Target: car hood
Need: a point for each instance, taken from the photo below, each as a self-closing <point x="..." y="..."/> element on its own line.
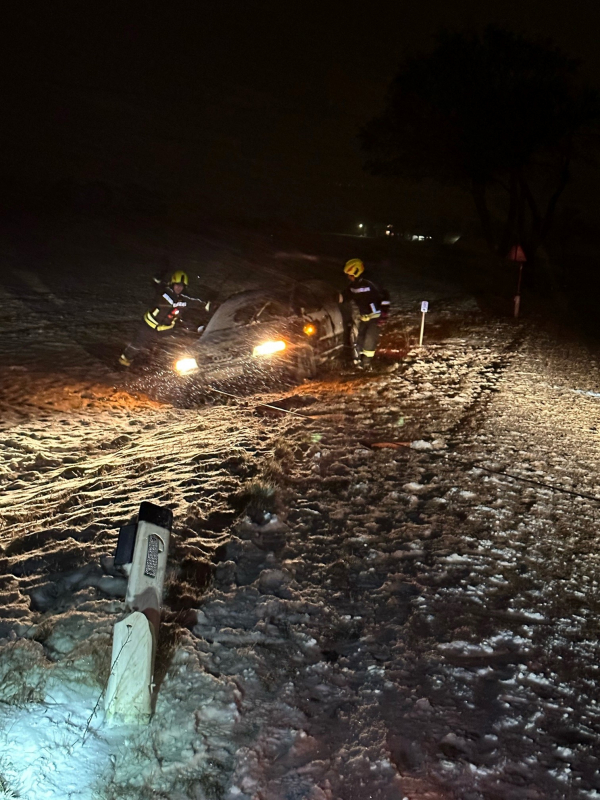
<point x="239" y="343"/>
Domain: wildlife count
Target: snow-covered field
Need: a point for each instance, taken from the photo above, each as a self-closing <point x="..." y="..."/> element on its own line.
<point x="391" y="596"/>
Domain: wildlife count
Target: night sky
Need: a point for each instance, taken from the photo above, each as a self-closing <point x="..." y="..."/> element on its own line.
<point x="236" y="104"/>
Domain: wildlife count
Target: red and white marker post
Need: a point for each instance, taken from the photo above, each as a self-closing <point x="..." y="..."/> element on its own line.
<point x="518" y="256"/>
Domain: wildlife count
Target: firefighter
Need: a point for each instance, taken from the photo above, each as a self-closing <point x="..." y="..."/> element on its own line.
<point x="159" y="321"/>
<point x="373" y="307"/>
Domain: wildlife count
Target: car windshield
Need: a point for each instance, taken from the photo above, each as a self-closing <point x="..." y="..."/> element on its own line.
<point x="262" y="311"/>
<point x="247" y="308"/>
<point x="312" y="296"/>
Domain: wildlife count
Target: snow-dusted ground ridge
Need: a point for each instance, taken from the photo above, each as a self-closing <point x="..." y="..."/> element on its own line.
<point x="395" y="596"/>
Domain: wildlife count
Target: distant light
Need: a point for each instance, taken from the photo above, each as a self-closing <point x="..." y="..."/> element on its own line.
<point x="360" y="224"/>
<point x="268" y="348"/>
<point x="309" y="329"/>
<point x="387" y="233"/>
<point x="185" y="365"/>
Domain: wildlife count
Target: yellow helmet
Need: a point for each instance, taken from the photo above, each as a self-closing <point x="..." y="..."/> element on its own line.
<point x="354" y="267"/>
<point x="179" y="276"/>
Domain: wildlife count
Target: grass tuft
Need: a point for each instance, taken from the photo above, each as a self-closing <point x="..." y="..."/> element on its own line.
<point x="257" y="498"/>
<point x="24" y="673"/>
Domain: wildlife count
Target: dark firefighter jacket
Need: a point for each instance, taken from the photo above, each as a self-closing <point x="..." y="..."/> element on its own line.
<point x="167" y="309"/>
<point x="371" y="301"/>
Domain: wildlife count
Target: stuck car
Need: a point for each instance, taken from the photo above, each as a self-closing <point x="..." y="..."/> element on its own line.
<point x="258" y="334"/>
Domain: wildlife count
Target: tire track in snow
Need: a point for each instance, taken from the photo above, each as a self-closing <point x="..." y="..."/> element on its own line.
<point x="487" y="380"/>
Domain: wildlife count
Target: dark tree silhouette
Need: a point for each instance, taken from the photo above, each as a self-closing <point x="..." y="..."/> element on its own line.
<point x="481" y="111"/>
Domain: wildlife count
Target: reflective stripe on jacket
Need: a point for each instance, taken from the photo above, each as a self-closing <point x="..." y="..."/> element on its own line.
<point x="167" y="310"/>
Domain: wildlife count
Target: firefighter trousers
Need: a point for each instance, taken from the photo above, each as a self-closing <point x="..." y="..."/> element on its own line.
<point x="367" y="338"/>
<point x="145" y="339"/>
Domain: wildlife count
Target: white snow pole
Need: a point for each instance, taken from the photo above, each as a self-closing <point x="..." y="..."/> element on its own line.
<point x="424" y="310"/>
<point x="143" y="553"/>
<point x="517" y="300"/>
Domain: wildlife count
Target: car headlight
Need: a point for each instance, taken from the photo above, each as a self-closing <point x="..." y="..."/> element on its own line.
<point x="186" y="365"/>
<point x="268" y="348"/>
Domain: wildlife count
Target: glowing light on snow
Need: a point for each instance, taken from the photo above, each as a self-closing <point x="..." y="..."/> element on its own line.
<point x="268" y="348"/>
<point x="185" y="365"/>
<point x="309" y="329"/>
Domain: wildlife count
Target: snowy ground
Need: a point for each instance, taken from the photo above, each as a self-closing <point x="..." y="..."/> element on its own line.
<point x="393" y="595"/>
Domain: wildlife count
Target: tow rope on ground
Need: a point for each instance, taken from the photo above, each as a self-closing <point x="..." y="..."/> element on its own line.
<point x="263" y="405"/>
<point x="539" y="483"/>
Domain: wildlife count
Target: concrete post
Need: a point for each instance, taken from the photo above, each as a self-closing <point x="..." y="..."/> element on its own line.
<point x="129" y="691"/>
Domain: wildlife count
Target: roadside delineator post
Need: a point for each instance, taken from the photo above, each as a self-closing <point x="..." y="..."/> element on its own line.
<point x="142" y="553"/>
<point x="424" y="310"/>
<point x="518" y="257"/>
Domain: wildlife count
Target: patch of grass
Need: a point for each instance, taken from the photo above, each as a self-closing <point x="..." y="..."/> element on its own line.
<point x="6" y="791"/>
<point x="263" y="494"/>
<point x="43" y="630"/>
<point x="273" y="472"/>
<point x="257" y="498"/>
<point x="24" y="672"/>
<point x="92" y="658"/>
